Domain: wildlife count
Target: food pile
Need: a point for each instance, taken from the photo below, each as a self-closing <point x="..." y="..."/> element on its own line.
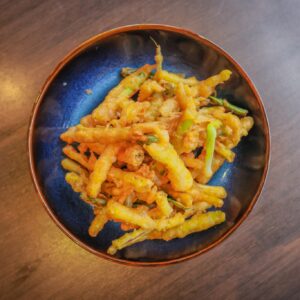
<point x="144" y="156"/>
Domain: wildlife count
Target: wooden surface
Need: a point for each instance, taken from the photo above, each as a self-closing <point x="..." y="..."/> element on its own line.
<point x="261" y="260"/>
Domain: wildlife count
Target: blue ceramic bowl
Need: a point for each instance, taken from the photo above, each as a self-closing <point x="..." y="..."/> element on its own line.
<point x="95" y="65"/>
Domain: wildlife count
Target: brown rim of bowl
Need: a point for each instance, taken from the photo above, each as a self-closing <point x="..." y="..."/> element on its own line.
<point x="100" y="37"/>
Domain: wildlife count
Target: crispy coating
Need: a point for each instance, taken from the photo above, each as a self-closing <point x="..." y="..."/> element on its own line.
<point x="163" y="204"/>
<point x="138" y="182"/>
<point x="129" y="215"/>
<point x="180" y="177"/>
<point x="198" y="222"/>
<point x="101" y="169"/>
<point x="108" y="109"/>
<point x="98" y="223"/>
<point x="132" y="155"/>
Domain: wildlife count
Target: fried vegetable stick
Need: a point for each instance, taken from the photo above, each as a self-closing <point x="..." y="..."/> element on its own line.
<point x="247" y="124"/>
<point x="98" y="223"/>
<point x="74" y="155"/>
<point x="148" y="197"/>
<point x="163" y="204"/>
<point x="148" y="88"/>
<point x="191" y="162"/>
<point x="76" y="181"/>
<point x="174" y="78"/>
<point x="138" y="182"/>
<point x="199" y="194"/>
<point x="217" y="162"/>
<point x="108" y="135"/>
<point x="224" y="151"/>
<point x="198" y="207"/>
<point x="107" y="110"/>
<point x="72" y="166"/>
<point x="158" y="58"/>
<point x="95" y="147"/>
<point x="207" y="87"/>
<point x="167" y="223"/>
<point x="129" y="215"/>
<point x="217" y="191"/>
<point x="188" y="116"/>
<point x="183" y="96"/>
<point x="101" y="168"/>
<point x="198" y="222"/>
<point x="180" y="177"/>
<point x="102" y="135"/>
<point x="184" y="198"/>
<point x="128" y="239"/>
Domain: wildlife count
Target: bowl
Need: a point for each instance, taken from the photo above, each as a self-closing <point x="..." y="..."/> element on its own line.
<point x="80" y="82"/>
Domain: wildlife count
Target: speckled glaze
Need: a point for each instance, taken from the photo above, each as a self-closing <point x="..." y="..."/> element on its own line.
<point x="95" y="65"/>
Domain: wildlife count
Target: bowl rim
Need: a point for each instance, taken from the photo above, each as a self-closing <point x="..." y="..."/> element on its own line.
<point x="68" y="58"/>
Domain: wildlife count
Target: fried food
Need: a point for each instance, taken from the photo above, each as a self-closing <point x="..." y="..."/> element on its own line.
<point x="143" y="157"/>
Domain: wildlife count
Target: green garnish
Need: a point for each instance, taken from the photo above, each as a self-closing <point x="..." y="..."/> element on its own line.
<point x="235" y="109"/>
<point x="231" y="107"/>
<point x="216" y="100"/>
<point x="151" y="139"/>
<point x="185" y="126"/>
<point x="211" y="134"/>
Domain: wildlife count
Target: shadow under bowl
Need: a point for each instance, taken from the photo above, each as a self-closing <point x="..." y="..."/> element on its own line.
<point x="95" y="66"/>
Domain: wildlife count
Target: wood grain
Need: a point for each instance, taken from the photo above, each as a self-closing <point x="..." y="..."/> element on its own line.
<point x="261" y="260"/>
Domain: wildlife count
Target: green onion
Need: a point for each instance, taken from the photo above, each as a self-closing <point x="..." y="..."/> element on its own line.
<point x="235" y="109"/>
<point x="216" y="100"/>
<point x="231" y="107"/>
<point x="176" y="203"/>
<point x="211" y="134"/>
<point x="185" y="126"/>
<point x="151" y="139"/>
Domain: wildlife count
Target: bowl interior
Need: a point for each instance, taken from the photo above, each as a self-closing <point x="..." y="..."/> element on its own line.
<point x="97" y="68"/>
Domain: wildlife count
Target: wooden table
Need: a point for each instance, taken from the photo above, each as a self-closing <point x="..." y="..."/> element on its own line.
<point x="261" y="260"/>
